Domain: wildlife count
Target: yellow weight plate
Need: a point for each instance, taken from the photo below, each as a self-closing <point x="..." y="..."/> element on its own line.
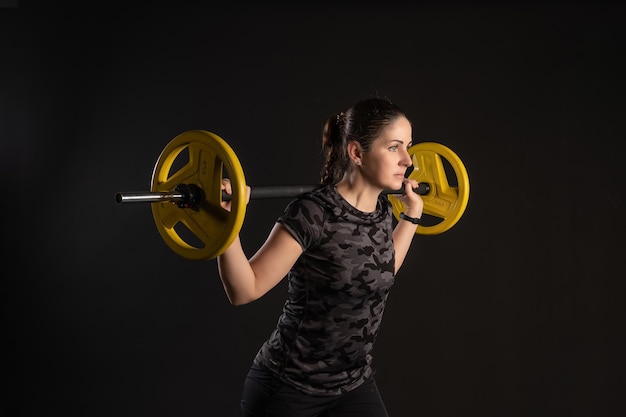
<point x="444" y="203"/>
<point x="205" y="231"/>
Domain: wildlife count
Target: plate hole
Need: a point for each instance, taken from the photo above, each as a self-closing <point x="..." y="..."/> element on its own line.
<point x="188" y="236"/>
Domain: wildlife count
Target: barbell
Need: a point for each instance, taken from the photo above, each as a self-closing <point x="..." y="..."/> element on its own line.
<point x="186" y="194"/>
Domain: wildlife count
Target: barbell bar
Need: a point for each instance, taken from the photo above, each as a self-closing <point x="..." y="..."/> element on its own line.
<point x="189" y="195"/>
<point x="186" y="202"/>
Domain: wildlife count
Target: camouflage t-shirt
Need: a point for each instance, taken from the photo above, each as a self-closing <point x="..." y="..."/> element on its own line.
<point x="323" y="341"/>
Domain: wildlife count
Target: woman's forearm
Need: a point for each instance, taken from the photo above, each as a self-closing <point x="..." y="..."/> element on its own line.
<point x="236" y="274"/>
<point x="403" y="235"/>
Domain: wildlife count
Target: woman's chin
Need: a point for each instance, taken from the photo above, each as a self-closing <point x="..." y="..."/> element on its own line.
<point x="394" y="186"/>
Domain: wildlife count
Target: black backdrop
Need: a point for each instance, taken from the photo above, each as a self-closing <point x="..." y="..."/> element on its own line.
<point x="518" y="310"/>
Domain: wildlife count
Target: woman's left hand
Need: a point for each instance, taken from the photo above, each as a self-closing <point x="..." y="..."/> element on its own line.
<point x="412" y="201"/>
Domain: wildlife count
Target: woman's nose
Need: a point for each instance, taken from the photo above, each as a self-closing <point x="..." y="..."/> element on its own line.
<point x="406" y="159"/>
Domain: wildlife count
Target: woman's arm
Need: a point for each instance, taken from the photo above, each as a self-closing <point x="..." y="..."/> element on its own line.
<point x="246" y="280"/>
<point x="404" y="231"/>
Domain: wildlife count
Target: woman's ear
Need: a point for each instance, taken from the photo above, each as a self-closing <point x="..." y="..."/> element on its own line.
<point x="354" y="151"/>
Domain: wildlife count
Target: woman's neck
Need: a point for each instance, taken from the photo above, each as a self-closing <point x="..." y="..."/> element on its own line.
<point x="358" y="194"/>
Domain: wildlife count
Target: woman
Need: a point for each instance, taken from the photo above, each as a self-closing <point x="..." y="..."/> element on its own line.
<point x="340" y="252"/>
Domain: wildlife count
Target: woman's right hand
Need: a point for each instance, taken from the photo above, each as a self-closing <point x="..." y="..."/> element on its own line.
<point x="227" y="187"/>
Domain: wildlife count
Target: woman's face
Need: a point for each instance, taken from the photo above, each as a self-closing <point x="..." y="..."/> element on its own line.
<point x="385" y="164"/>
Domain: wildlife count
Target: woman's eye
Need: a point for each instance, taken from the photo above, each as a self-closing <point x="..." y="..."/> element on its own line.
<point x="393" y="148"/>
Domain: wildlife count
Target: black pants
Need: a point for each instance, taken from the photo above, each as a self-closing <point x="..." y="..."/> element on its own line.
<point x="264" y="395"/>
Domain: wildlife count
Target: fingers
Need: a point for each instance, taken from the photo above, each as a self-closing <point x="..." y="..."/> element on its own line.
<point x="410" y="198"/>
<point x="226" y="186"/>
<point x="410" y="184"/>
<point x="228" y="189"/>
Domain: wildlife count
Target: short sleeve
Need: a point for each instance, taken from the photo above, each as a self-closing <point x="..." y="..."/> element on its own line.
<point x="304" y="219"/>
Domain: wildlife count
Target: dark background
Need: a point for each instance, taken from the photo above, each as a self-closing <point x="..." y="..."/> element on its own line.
<point x="518" y="310"/>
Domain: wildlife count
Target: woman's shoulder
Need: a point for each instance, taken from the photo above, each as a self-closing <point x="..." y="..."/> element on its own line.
<point x="318" y="200"/>
<point x="324" y="196"/>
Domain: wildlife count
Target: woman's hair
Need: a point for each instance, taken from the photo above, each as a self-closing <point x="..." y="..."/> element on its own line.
<point x="362" y="123"/>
